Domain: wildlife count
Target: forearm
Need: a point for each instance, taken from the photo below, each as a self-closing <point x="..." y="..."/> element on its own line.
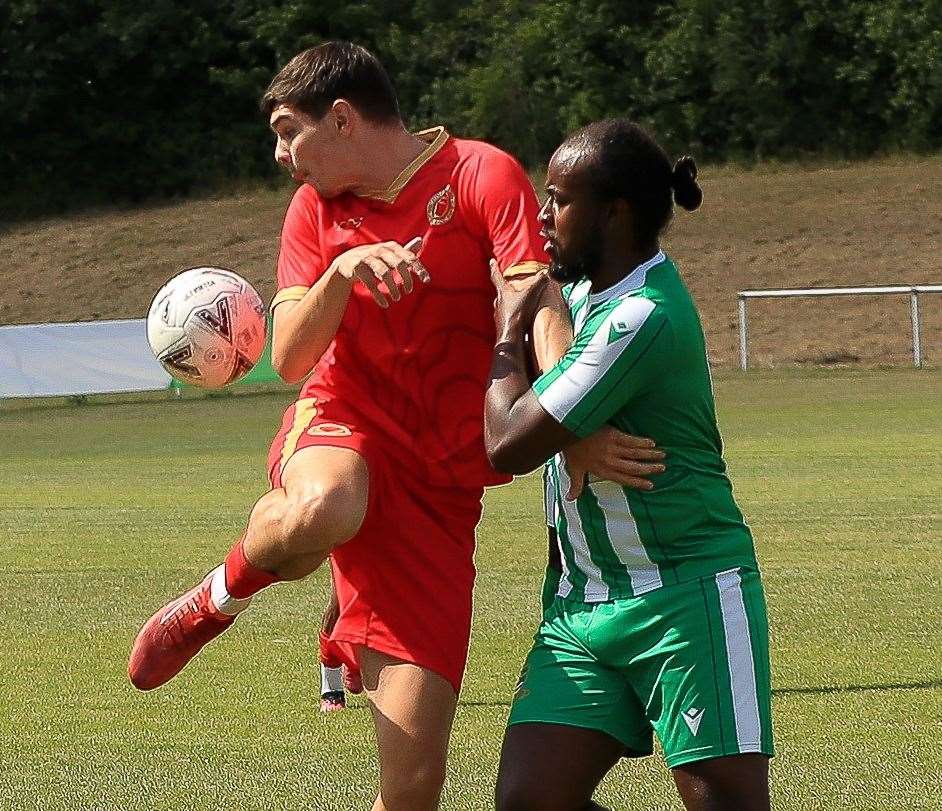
<point x="303" y="332"/>
<point x="551" y="333"/>
<point x="508" y="383"/>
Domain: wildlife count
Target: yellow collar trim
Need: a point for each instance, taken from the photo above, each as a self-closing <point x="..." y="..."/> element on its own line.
<point x="435" y="137"/>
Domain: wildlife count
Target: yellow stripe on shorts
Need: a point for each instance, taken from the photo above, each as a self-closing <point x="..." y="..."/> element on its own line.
<point x="304" y="411"/>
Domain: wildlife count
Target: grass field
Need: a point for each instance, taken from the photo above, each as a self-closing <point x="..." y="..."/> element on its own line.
<point x="108" y="510"/>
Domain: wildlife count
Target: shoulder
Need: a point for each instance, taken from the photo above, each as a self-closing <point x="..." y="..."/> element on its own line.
<point x="480" y="160"/>
<point x="469" y="149"/>
<point x="617" y="324"/>
<point x="304" y="205"/>
<point x="633" y="311"/>
<point x="306" y="195"/>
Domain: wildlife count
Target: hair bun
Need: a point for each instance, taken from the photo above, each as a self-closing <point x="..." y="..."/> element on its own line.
<point x="684" y="180"/>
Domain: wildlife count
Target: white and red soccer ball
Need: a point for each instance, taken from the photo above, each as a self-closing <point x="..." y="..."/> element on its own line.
<point x="207" y="326"/>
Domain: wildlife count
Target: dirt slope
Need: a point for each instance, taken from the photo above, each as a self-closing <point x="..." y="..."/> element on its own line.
<point x="857" y="224"/>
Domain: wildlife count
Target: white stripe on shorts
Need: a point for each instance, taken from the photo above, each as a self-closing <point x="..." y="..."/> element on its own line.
<point x="742" y="674"/>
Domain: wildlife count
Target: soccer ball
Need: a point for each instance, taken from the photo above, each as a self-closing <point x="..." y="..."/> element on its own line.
<point x="207" y="327"/>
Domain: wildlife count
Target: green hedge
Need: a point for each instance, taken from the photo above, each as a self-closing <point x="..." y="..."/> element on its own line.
<point x="109" y="101"/>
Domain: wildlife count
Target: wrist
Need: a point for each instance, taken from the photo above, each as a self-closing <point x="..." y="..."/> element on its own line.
<point x="336" y="276"/>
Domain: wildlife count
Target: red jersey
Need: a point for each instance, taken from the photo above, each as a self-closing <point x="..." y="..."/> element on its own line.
<point x="414" y="376"/>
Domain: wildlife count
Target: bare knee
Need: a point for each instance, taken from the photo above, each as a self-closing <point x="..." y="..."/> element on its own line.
<point x="321" y="515"/>
<point x="738" y="782"/>
<point x="415" y="787"/>
<point x="517" y="793"/>
<point x="292" y="531"/>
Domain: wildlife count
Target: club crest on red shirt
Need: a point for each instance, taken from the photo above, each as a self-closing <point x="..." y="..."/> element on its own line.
<point x="441" y="206"/>
<point x="349" y="224"/>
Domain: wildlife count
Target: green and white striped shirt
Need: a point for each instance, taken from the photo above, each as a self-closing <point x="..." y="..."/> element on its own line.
<point x="638" y="362"/>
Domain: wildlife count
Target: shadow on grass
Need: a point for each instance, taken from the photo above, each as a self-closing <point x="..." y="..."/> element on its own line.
<point x="859" y="688"/>
<point x="789" y="691"/>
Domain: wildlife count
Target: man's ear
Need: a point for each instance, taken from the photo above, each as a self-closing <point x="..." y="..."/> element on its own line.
<point x="343" y="116"/>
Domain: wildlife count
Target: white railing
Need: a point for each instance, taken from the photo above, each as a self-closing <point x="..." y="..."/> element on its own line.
<point x="912" y="289"/>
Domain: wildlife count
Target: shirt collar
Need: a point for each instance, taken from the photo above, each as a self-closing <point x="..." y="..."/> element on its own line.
<point x="633" y="281"/>
<point x="435" y="138"/>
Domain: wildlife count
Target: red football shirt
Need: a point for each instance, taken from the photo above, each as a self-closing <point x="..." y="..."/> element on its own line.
<point x="414" y="376"/>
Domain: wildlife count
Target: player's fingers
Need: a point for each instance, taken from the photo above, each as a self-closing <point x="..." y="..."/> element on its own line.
<point x="577" y="477"/>
<point x="635" y="480"/>
<point x="627" y="467"/>
<point x="639" y="454"/>
<point x="384" y="273"/>
<point x="630" y="441"/>
<point x="418" y="269"/>
<point x="403" y="252"/>
<point x="636" y="484"/>
<point x="575" y="488"/>
<point x="409" y="253"/>
<point x="365" y="274"/>
<point x="405" y="275"/>
<point x="396" y="257"/>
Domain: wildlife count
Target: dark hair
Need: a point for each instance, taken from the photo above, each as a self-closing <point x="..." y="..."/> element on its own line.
<point x="317" y="77"/>
<point x="623" y="161"/>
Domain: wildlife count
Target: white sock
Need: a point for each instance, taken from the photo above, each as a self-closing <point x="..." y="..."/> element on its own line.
<point x="331" y="679"/>
<point x="222" y="599"/>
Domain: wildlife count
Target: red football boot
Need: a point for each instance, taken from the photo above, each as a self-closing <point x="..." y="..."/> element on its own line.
<point x="174" y="635"/>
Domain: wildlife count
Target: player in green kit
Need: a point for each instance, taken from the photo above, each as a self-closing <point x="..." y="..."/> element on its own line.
<point x="658" y="623"/>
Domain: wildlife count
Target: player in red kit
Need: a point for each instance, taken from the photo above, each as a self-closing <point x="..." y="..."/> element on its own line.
<point x="381" y="461"/>
<point x="385" y="305"/>
<point x="409" y="380"/>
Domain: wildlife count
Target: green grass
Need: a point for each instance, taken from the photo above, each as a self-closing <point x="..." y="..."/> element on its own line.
<point x="107" y="510"/>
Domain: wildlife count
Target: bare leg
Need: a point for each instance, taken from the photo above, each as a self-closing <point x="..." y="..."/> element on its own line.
<point x="733" y="783"/>
<point x="413" y="710"/>
<point x="323" y="503"/>
<point x="553" y="767"/>
<point x="290" y="532"/>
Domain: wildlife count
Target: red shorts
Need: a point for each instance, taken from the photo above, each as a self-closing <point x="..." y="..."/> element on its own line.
<point x="404" y="581"/>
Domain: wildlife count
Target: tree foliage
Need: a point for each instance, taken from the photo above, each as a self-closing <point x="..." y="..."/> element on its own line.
<point x="113" y="100"/>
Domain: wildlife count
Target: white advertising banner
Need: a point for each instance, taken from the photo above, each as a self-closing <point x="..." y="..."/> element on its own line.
<point x="98" y="357"/>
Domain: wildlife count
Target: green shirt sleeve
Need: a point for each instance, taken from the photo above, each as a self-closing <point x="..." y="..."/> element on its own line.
<point x="613" y="359"/>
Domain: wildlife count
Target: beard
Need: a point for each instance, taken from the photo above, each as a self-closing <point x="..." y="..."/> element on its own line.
<point x="583" y="266"/>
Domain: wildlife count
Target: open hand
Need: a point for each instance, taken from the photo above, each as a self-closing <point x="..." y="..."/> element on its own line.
<point x="611" y="455"/>
<point x="385" y="263"/>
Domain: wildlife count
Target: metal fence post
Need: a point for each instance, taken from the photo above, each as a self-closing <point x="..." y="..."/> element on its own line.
<point x="914" y="312"/>
<point x="743" y="335"/>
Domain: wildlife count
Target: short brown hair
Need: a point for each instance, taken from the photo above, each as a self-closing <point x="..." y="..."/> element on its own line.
<point x="317" y="77"/>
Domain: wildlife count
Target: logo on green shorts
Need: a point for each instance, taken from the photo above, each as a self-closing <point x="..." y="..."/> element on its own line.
<point x="693" y="717"/>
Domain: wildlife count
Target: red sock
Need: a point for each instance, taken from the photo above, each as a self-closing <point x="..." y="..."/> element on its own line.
<point x="329" y="655"/>
<point x="242" y="578"/>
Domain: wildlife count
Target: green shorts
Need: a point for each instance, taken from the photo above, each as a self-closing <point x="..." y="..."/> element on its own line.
<point x="689" y="662"/>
